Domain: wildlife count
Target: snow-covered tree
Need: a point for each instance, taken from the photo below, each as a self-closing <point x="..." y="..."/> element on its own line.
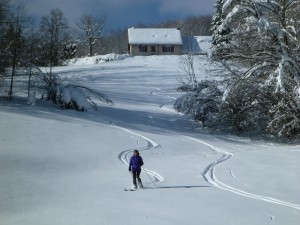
<point x="257" y="42"/>
<point x="265" y="40"/>
<point x="218" y="28"/>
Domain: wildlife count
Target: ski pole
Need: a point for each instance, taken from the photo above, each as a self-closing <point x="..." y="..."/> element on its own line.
<point x="149" y="176"/>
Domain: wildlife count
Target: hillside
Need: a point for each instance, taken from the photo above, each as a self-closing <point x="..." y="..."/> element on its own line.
<point x="66" y="167"/>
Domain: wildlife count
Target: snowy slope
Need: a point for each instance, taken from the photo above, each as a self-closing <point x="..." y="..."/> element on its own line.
<point x="65" y="167"/>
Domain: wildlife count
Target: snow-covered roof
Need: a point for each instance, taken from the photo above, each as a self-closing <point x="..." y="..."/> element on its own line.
<point x="154" y="36"/>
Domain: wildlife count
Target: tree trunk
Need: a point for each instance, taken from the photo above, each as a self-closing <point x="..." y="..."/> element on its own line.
<point x="12" y="75"/>
<point x="14" y="62"/>
<point x="91" y="46"/>
<point x="29" y="81"/>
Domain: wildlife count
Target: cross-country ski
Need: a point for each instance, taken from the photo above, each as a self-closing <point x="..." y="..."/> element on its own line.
<point x="130" y="189"/>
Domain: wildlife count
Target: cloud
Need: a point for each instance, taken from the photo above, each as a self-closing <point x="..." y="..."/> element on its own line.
<point x="39" y="8"/>
<point x="192" y="7"/>
<point x="73" y="9"/>
<point x="122" y="13"/>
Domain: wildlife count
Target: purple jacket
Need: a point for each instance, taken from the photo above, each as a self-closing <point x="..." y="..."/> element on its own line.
<point x="135" y="163"/>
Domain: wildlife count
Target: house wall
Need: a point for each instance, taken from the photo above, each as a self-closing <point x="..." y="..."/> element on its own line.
<point x="135" y="51"/>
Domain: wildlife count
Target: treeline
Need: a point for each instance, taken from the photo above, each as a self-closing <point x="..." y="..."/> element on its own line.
<point x="47" y="42"/>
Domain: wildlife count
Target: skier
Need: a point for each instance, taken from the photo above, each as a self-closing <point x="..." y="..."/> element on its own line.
<point x="135" y="164"/>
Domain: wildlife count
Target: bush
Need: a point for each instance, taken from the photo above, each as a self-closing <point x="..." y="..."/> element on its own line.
<point x="202" y="102"/>
<point x="67" y="94"/>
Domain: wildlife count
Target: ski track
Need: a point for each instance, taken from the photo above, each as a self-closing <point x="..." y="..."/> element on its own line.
<point x="209" y="174"/>
<point x="125" y="155"/>
<point x="234" y="177"/>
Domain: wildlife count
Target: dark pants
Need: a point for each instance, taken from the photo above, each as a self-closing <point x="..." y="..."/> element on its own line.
<point x="136" y="176"/>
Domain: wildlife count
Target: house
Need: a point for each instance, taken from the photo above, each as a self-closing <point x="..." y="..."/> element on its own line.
<point x="154" y="41"/>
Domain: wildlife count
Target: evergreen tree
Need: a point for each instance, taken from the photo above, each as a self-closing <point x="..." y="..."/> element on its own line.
<point x="216" y="23"/>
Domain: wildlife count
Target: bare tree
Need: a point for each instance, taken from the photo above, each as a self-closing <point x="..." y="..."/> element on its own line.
<point x="92" y="28"/>
<point x="196" y="26"/>
<point x="15" y="40"/>
<point x="115" y="41"/>
<point x="4" y="9"/>
<point x="54" y="29"/>
<point x="31" y="53"/>
<point x="188" y="80"/>
<point x="4" y="24"/>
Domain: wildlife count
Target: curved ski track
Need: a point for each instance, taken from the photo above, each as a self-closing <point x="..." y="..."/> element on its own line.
<point x="209" y="175"/>
<point x="124" y="155"/>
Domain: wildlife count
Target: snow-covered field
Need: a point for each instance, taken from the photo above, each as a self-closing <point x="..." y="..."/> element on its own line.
<point x="65" y="168"/>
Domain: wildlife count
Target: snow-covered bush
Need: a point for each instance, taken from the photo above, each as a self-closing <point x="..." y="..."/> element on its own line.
<point x="285" y="110"/>
<point x="244" y="107"/>
<point x="69" y="51"/>
<point x="78" y="97"/>
<point x="286" y="118"/>
<point x="202" y="102"/>
<point x="67" y="94"/>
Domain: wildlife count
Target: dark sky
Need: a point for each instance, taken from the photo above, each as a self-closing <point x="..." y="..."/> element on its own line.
<point x="122" y="13"/>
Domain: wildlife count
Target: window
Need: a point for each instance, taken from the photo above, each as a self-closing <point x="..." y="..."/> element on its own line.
<point x="168" y="48"/>
<point x="143" y="48"/>
<point x="153" y="49"/>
